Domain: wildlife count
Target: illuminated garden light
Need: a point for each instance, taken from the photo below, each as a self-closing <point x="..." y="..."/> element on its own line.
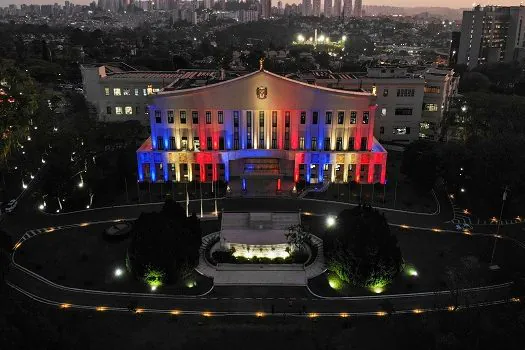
<point x="81" y="184"/>
<point x="118" y="272"/>
<point x="41" y="207"/>
<point x="32" y="176"/>
<point x="464" y="108"/>
<point x="24" y="185"/>
<point x="330" y="221"/>
<point x="334" y="282"/>
<point x="300" y="38"/>
<point x="343" y="38"/>
<point x="153" y="288"/>
<point x="377" y="290"/>
<point x="28" y="138"/>
<point x="462" y="190"/>
<point x="43" y="161"/>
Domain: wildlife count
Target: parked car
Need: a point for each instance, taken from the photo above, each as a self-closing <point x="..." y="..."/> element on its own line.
<point x="120" y="230"/>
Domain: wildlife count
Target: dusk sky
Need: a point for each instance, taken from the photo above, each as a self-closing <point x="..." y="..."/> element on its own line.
<point x="407" y="3"/>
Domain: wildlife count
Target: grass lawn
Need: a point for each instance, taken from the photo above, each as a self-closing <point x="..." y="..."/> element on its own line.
<point x="433" y="256"/>
<point x="82" y="258"/>
<point x="405" y="197"/>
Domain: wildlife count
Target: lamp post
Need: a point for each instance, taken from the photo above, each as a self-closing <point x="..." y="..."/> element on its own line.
<point x="504" y="198"/>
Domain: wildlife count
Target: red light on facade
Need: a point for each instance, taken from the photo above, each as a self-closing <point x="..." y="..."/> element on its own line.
<point x="278" y="184"/>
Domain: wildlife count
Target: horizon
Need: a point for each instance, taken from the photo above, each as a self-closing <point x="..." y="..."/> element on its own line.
<point x="462" y="4"/>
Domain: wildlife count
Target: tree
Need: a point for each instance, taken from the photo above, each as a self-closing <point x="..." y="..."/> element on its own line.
<point x="361" y="250"/>
<point x="420" y="163"/>
<point x="164" y="242"/>
<point x="297" y="236"/>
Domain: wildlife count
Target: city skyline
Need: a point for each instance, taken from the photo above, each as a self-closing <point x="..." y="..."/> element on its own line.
<point x="396" y="3"/>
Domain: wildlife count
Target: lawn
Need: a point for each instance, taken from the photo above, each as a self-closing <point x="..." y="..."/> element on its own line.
<point x="434" y="256"/>
<point x="82" y="258"/>
<point x="398" y="193"/>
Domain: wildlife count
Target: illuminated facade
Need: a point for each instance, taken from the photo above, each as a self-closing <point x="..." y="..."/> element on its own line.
<point x="262" y="125"/>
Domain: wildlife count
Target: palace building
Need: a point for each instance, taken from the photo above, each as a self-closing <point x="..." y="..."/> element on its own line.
<point x="261" y="125"/>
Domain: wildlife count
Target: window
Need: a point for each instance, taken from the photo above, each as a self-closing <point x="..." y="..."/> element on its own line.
<point x="172" y="142"/>
<point x="195" y="117"/>
<point x="182" y="115"/>
<point x="149" y="89"/>
<point x="108" y="110"/>
<point x="353" y="117"/>
<point x="196" y="144"/>
<point x="326" y="143"/>
<point x="117" y="92"/>
<point x="432" y="89"/>
<point x="184" y="143"/>
<point x="424" y="125"/>
<point x="170" y="117"/>
<point x="158" y="118"/>
<point x="401" y="130"/>
<point x="382" y="130"/>
<point x="106" y="91"/>
<point x="144" y="92"/>
<point x="136" y="92"/>
<point x="363" y="143"/>
<point x="128" y="110"/>
<point x="366" y="116"/>
<point x="403" y="111"/>
<point x="208" y="117"/>
<point x="340" y="117"/>
<point x="339" y="144"/>
<point x="385" y="92"/>
<point x="314" y="143"/>
<point x="160" y="143"/>
<point x="286" y="130"/>
<point x="137" y="110"/>
<point x="208" y="143"/>
<point x="220" y="117"/>
<point x="303" y="117"/>
<point x="274" y="129"/>
<point x="315" y="117"/>
<point x="301" y="143"/>
<point x="328" y="118"/>
<point x="236" y="130"/>
<point x="351" y="141"/>
<point x="249" y="144"/>
<point x="126" y="92"/>
<point x="383" y="112"/>
<point x="221" y="143"/>
<point x="261" y="119"/>
<point x="405" y="92"/>
<point x="430" y="107"/>
<point x="118" y="110"/>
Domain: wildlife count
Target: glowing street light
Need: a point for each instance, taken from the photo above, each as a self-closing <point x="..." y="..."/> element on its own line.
<point x="41" y="207"/>
<point x="343" y="38"/>
<point x="464" y="108"/>
<point x="300" y="38"/>
<point x="118" y="272"/>
<point x="462" y="190"/>
<point x="330" y="221"/>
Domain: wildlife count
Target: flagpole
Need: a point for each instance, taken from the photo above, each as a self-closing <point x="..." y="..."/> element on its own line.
<point x="187" y="202"/>
<point x="200" y="189"/>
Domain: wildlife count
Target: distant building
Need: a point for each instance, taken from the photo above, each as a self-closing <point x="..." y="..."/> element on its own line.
<point x="358" y="11"/>
<point x="245" y="16"/>
<point x="347" y="8"/>
<point x="307" y="7"/>
<point x="454" y="49"/>
<point x="266" y="9"/>
<point x="492" y="34"/>
<point x="336" y="10"/>
<point x="316" y="10"/>
<point x="327" y="8"/>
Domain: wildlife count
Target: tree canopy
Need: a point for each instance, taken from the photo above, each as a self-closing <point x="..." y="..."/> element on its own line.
<point x="165" y="241"/>
<point x="361" y="250"/>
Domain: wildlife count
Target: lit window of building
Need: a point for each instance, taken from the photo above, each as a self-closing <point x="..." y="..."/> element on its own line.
<point x="128" y="110"/>
<point x="117" y="92"/>
<point x="118" y="110"/>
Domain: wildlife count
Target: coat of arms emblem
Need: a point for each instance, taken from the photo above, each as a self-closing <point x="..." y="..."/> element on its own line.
<point x="261" y="92"/>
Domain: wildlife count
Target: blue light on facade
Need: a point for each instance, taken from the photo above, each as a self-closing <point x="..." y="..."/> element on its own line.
<point x="244" y="184"/>
<point x="153" y="175"/>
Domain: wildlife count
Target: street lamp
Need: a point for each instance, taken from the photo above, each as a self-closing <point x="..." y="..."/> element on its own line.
<point x="118" y="272"/>
<point x="464" y="108"/>
<point x="496" y="236"/>
<point x="330" y="221"/>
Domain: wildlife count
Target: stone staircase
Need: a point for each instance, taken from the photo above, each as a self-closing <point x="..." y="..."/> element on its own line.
<point x="317" y="267"/>
<point x="204" y="268"/>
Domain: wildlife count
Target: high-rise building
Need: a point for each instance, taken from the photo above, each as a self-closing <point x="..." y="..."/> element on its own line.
<point x="266" y="8"/>
<point x="336" y="10"/>
<point x="280" y="9"/>
<point x="347" y="8"/>
<point x="327" y="8"/>
<point x="492" y="34"/>
<point x="208" y="4"/>
<point x="358" y="11"/>
<point x="454" y="49"/>
<point x="316" y="11"/>
<point x="307" y="7"/>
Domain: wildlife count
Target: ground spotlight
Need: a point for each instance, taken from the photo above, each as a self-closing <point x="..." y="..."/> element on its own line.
<point x="330" y="221"/>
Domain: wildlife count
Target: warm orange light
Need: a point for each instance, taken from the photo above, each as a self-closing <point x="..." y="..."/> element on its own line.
<point x="259" y="314"/>
<point x="65" y="306"/>
<point x="381" y="313"/>
<point x="102" y="308"/>
<point x="50" y="229"/>
<point x="518" y="218"/>
<point x="516" y="300"/>
<point x="465" y="211"/>
<point x="84" y="224"/>
<point x="343" y="315"/>
<point x="436" y="230"/>
<point x="175" y="312"/>
<point x="207" y="314"/>
<point x="418" y="311"/>
<point x="139" y="311"/>
<point x="17" y="245"/>
<point x="313" y="315"/>
<point x="405" y="226"/>
<point x="493" y="219"/>
<point x="451" y="308"/>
